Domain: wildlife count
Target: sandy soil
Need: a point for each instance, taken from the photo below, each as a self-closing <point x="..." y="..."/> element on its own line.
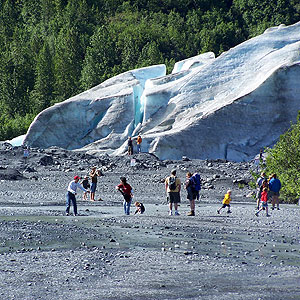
<point x="103" y="254"/>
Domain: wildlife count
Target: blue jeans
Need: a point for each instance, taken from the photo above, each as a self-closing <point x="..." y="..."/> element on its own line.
<point x="127" y="207"/>
<point x="138" y="148"/>
<point x="71" y="197"/>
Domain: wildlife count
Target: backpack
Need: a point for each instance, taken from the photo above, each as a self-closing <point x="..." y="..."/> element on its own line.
<point x="196" y="182"/>
<point x="172" y="183"/>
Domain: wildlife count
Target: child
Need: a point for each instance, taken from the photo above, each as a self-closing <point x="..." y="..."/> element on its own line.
<point x="140" y="208"/>
<point x="86" y="185"/>
<point x="264" y="202"/>
<point x="126" y="191"/>
<point x="226" y="202"/>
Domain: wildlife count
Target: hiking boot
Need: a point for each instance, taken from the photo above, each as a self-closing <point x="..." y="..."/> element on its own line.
<point x="256" y="214"/>
<point x="170" y="213"/>
<point x="177" y="213"/>
<point x="191" y="213"/>
<point x="229" y="211"/>
<point x="273" y="207"/>
<point x="218" y="211"/>
<point x="278" y="208"/>
<point x="67" y="214"/>
<point x="268" y="215"/>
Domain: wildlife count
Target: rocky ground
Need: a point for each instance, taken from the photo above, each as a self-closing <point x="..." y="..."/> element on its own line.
<point x="103" y="254"/>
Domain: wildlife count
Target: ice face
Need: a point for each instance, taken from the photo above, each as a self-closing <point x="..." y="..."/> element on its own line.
<point x="226" y="107"/>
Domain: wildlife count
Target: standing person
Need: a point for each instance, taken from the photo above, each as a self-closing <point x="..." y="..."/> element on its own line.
<point x="226" y="202"/>
<point x="274" y="187"/>
<point x="86" y="185"/>
<point x="264" y="202"/>
<point x="189" y="185"/>
<point x="94" y="174"/>
<point x="196" y="187"/>
<point x="173" y="186"/>
<point x="130" y="146"/>
<point x="26" y="154"/>
<point x="138" y="143"/>
<point x="259" y="185"/>
<point x="72" y="187"/>
<point x="126" y="191"/>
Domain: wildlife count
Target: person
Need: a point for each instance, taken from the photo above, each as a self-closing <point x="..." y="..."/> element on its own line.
<point x="259" y="185"/>
<point x="71" y="192"/>
<point x="126" y="191"/>
<point x="173" y="186"/>
<point x="274" y="187"/>
<point x="261" y="157"/>
<point x="140" y="208"/>
<point x="86" y="185"/>
<point x="94" y="174"/>
<point x="26" y="154"/>
<point x="264" y="202"/>
<point x="226" y="202"/>
<point x="191" y="192"/>
<point x="138" y="143"/>
<point x="196" y="187"/>
<point x="130" y="146"/>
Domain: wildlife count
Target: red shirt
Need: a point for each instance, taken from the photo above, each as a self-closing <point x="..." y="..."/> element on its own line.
<point x="264" y="196"/>
<point x="126" y="188"/>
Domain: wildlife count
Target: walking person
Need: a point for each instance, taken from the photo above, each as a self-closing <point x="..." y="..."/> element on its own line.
<point x="191" y="193"/>
<point x="139" y="143"/>
<point x="126" y="191"/>
<point x="130" y="146"/>
<point x="173" y="186"/>
<point x="226" y="202"/>
<point x="274" y="187"/>
<point x="71" y="193"/>
<point x="264" y="202"/>
<point x="259" y="186"/>
<point x="94" y="174"/>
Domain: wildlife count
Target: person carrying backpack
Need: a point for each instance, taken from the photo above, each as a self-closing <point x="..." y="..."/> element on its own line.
<point x="173" y="186"/>
<point x="195" y="187"/>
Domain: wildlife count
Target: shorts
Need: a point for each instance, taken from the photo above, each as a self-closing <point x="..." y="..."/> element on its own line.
<point x="225" y="205"/>
<point x="93" y="187"/>
<point x="271" y="194"/>
<point x="258" y="194"/>
<point x="174" y="197"/>
<point x="264" y="204"/>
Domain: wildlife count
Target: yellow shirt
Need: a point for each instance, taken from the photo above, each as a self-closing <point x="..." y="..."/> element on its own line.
<point x="227" y="199"/>
<point x="178" y="183"/>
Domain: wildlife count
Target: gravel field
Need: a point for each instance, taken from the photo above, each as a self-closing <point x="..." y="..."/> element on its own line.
<point x="104" y="254"/>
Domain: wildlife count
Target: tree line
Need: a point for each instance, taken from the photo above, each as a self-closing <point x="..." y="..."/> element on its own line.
<point x="51" y="50"/>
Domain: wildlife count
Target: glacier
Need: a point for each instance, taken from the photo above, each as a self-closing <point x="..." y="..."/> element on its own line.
<point x="209" y="107"/>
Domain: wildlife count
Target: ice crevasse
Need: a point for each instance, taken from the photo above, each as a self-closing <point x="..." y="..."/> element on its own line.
<point x="226" y="107"/>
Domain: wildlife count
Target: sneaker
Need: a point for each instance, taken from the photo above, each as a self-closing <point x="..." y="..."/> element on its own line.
<point x="229" y="211"/>
<point x="67" y="214"/>
<point x="256" y="214"/>
<point x="218" y="211"/>
<point x="177" y="213"/>
<point x="170" y="213"/>
<point x="191" y="213"/>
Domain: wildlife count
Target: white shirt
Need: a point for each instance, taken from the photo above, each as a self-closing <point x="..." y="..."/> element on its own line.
<point x="73" y="187"/>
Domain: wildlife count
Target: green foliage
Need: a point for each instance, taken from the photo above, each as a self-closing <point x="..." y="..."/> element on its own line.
<point x="51" y="50"/>
<point x="284" y="160"/>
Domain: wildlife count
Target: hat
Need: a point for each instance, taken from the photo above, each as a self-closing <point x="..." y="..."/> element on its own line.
<point x="76" y="177"/>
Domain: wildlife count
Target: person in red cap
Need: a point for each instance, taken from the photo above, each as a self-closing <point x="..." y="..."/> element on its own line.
<point x="72" y="187"/>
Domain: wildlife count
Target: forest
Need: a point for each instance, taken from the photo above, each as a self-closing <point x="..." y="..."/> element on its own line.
<point x="51" y="50"/>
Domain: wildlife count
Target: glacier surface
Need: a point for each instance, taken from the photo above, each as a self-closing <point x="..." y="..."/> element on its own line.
<point x="226" y="107"/>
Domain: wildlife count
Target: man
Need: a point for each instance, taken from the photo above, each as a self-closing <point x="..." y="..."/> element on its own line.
<point x="72" y="187"/>
<point x="130" y="146"/>
<point x="274" y="187"/>
<point x="94" y="174"/>
<point x="259" y="184"/>
<point x="196" y="187"/>
<point x="173" y="186"/>
<point x="138" y="143"/>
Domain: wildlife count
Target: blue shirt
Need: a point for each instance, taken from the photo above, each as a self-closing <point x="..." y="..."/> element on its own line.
<point x="275" y="185"/>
